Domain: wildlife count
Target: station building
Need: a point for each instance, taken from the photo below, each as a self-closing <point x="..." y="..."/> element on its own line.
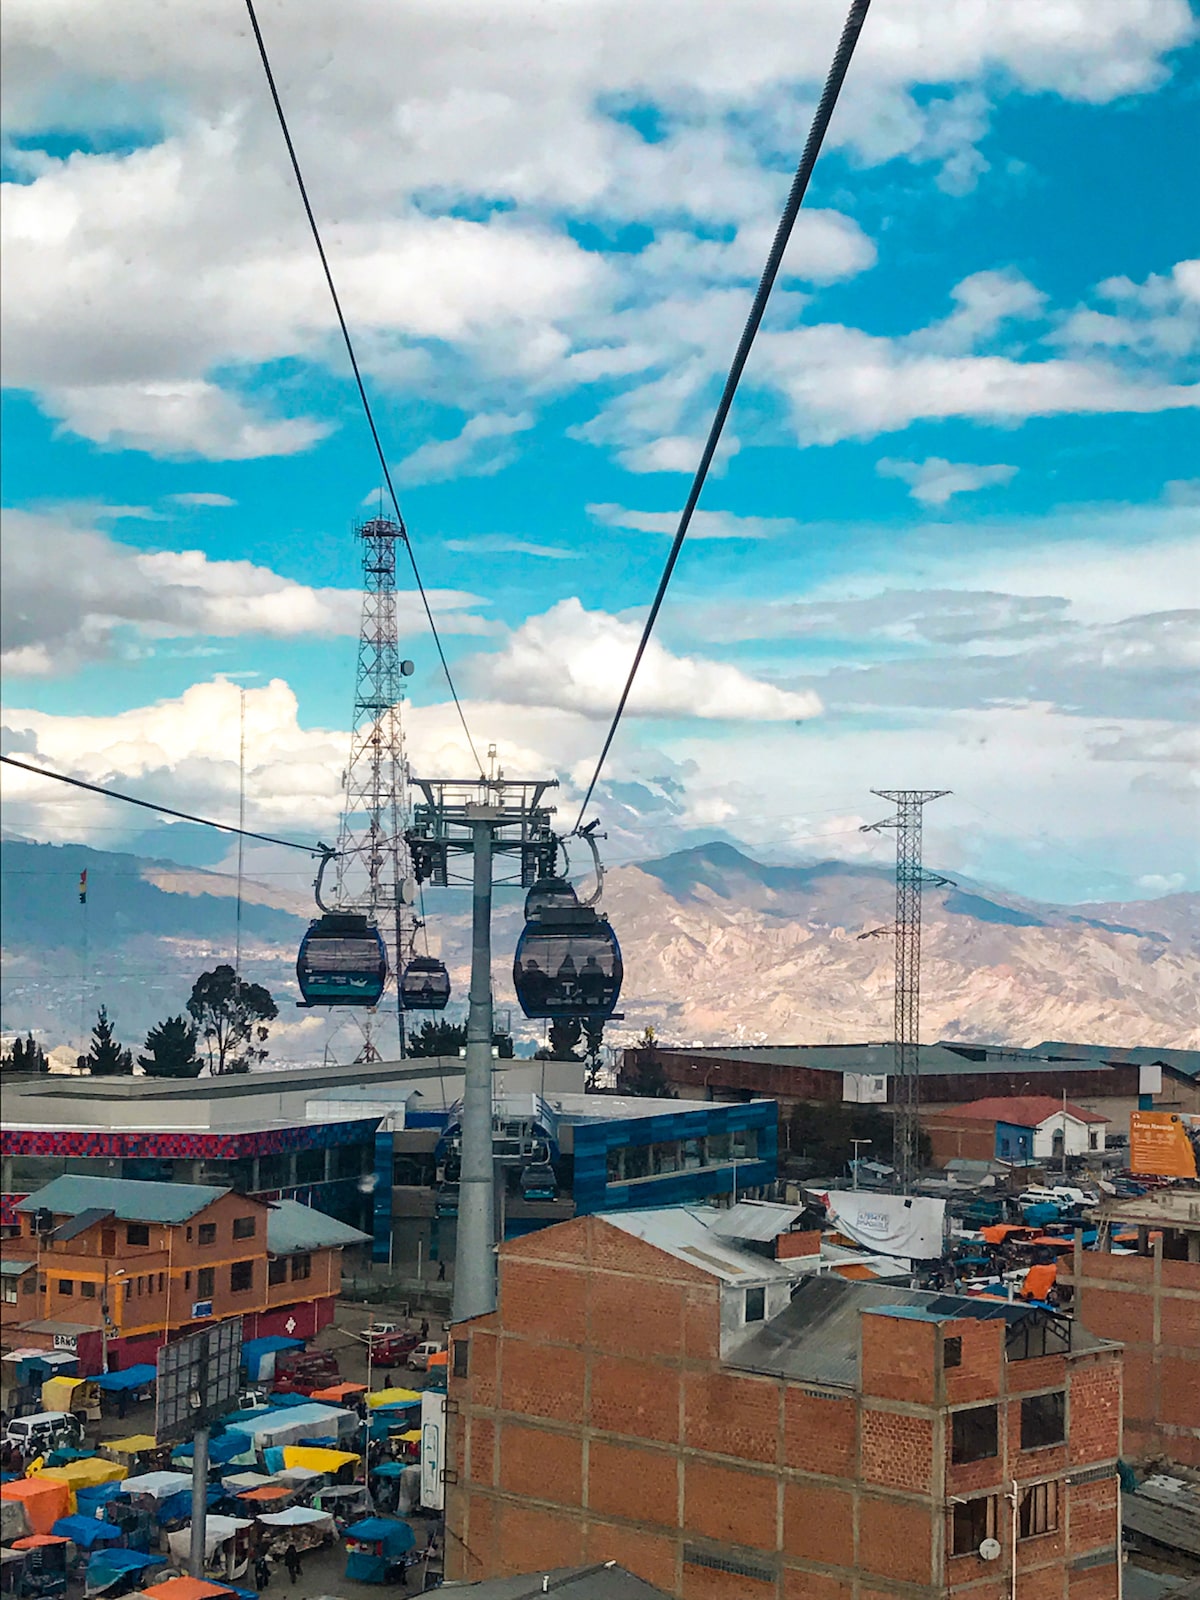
<point x="665" y="1400"/>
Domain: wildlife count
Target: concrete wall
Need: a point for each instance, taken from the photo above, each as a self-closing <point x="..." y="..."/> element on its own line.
<point x="595" y="1421"/>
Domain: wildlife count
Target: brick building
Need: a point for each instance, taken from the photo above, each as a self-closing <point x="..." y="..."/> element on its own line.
<point x="1150" y="1301"/>
<point x="635" y="1398"/>
<point x="162" y="1259"/>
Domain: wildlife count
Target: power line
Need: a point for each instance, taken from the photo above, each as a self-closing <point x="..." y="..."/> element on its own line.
<point x="816" y="136"/>
<point x="358" y="378"/>
<point x="166" y="811"/>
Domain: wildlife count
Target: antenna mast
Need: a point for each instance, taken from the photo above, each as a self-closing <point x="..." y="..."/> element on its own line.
<point x="910" y="880"/>
<point x="373" y="866"/>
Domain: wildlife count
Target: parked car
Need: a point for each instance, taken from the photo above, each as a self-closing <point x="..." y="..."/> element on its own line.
<point x="44" y="1430"/>
<point x="381" y="1330"/>
<point x="302" y="1371"/>
<point x="418" y="1358"/>
<point x="395" y="1350"/>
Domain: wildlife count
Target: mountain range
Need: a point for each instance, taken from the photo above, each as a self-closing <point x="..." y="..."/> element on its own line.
<point x="718" y="948"/>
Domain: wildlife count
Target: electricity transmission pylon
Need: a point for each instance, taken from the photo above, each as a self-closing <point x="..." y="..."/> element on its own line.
<point x="910" y="880"/>
<point x="374" y="873"/>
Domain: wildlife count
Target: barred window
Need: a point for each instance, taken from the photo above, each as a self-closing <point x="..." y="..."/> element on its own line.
<point x="1038" y="1511"/>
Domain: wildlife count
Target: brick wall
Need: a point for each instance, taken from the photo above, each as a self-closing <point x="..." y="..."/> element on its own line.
<point x="596" y="1422"/>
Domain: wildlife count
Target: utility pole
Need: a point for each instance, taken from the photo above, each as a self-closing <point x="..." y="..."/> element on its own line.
<point x="373" y="866"/>
<point x="910" y="880"/>
<point x="854" y="1163"/>
<point x="483" y="818"/>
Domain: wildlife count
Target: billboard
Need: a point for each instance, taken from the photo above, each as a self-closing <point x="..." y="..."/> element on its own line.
<point x="198" y="1380"/>
<point x="891" y="1224"/>
<point x="1163" y="1144"/>
<point x="433" y="1449"/>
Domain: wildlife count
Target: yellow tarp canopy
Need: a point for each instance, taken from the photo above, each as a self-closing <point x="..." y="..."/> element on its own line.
<point x="413" y="1436"/>
<point x="315" y="1458"/>
<point x="393" y="1397"/>
<point x="133" y="1446"/>
<point x="85" y="1474"/>
<point x="58" y="1393"/>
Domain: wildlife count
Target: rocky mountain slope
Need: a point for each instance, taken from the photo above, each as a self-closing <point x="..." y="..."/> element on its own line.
<point x="718" y="948"/>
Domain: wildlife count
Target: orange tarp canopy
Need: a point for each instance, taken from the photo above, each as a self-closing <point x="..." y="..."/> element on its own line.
<point x="1039" y="1281"/>
<point x="1054" y="1240"/>
<point x="438" y="1360"/>
<point x="270" y="1491"/>
<point x="855" y="1271"/>
<point x="338" y="1391"/>
<point x="185" y="1589"/>
<point x="34" y="1541"/>
<point x="997" y="1232"/>
<point x="45" y="1500"/>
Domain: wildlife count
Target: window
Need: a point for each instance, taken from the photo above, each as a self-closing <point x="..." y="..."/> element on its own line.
<point x="1093" y="1139"/>
<point x="205" y="1281"/>
<point x="719" y="1147"/>
<point x="666" y="1156"/>
<point x="974" y="1521"/>
<point x="975" y="1434"/>
<point x="87" y="1289"/>
<point x="756" y="1305"/>
<point x="161" y="1281"/>
<point x="349" y="1162"/>
<point x="189" y="1235"/>
<point x="137" y="1233"/>
<point x="108" y="1243"/>
<point x="141" y="1285"/>
<point x="66" y="1286"/>
<point x="301" y="1267"/>
<point x="1038" y="1511"/>
<point x="10" y="1291"/>
<point x="277" y="1269"/>
<point x="952" y="1351"/>
<point x="274" y="1171"/>
<point x="310" y="1166"/>
<point x="243" y="1227"/>
<point x="28" y="1284"/>
<point x="128" y="1287"/>
<point x="1043" y="1420"/>
<point x="187" y="1280"/>
<point x="241" y="1277"/>
<point x="462" y="1357"/>
<point x="208" y="1233"/>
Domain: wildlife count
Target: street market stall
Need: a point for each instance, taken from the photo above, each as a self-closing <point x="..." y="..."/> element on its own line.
<point x="138" y="1452"/>
<point x="109" y="1569"/>
<point x="79" y="1396"/>
<point x="226" y="1546"/>
<point x="12" y="1571"/>
<point x="47" y="1562"/>
<point x="86" y="1532"/>
<point x="375" y="1550"/>
<point x="304" y="1528"/>
<point x="44" y="1499"/>
<point x="85" y="1474"/>
<point x="334" y="1465"/>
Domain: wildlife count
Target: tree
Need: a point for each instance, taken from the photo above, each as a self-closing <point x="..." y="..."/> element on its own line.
<point x="26" y="1055"/>
<point x="171" y="1050"/>
<point x="565" y="1034"/>
<point x="437" y="1038"/>
<point x="233" y="1016"/>
<point x="642" y="1073"/>
<point x="593" y="1046"/>
<point x="105" y="1058"/>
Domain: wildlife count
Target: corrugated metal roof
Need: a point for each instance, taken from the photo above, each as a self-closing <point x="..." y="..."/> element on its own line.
<point x="128" y="1199"/>
<point x="74" y="1226"/>
<point x="816" y="1339"/>
<point x="292" y="1227"/>
<point x="755" y="1219"/>
<point x="688" y="1235"/>
<point x="14" y="1269"/>
<point x="1172" y="1520"/>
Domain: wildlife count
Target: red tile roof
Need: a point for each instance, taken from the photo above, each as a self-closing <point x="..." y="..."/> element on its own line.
<point x="1023" y="1110"/>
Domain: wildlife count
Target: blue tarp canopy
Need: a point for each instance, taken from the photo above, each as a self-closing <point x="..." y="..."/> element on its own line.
<point x="88" y="1500"/>
<point x="253" y="1350"/>
<point x="86" y="1531"/>
<point x="178" y="1507"/>
<point x="221" y="1448"/>
<point x="388" y="1469"/>
<point x="106" y="1566"/>
<point x="132" y="1378"/>
<point x="396" y="1537"/>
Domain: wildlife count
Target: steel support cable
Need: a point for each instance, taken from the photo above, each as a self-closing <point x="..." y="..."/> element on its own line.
<point x="166" y="811"/>
<point x="358" y="378"/>
<point x="812" y="148"/>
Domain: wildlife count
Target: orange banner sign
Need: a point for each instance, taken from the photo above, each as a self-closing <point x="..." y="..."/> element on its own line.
<point x="1161" y="1144"/>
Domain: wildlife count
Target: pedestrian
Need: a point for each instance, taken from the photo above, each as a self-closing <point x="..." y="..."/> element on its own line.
<point x="291" y="1560"/>
<point x="424" y="1330"/>
<point x="441" y="1272"/>
<point x="262" y="1573"/>
<point x="387" y="1380"/>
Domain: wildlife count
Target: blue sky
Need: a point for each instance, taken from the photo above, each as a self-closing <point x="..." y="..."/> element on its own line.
<point x="952" y="543"/>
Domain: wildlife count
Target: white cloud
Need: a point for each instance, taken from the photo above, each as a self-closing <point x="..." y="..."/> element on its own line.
<point x="483" y="447"/>
<point x="73" y="594"/>
<point x="179" y="420"/>
<point x="704" y="524"/>
<point x="933" y="481"/>
<point x="576" y="660"/>
<point x="499" y="544"/>
<point x="1157" y="319"/>
<point x="202" y="499"/>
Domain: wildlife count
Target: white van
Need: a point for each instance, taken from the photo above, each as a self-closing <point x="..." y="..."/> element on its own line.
<point x="419" y="1358"/>
<point x="44" y="1431"/>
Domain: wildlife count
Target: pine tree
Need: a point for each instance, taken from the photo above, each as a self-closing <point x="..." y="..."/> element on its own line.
<point x="105" y="1058"/>
<point x="25" y="1055"/>
<point x="171" y="1050"/>
<point x="437" y="1038"/>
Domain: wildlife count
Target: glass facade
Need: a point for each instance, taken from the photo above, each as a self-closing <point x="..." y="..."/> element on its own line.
<point x="633" y="1162"/>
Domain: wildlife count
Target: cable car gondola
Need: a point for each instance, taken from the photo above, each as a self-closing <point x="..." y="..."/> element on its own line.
<point x="568" y="961"/>
<point x="342" y="961"/>
<point x="424" y="985"/>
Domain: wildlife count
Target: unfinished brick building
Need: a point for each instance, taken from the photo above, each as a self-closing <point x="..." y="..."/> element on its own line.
<point x="635" y="1397"/>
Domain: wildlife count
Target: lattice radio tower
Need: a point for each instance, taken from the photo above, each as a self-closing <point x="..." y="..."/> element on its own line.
<point x="374" y="873"/>
<point x="910" y="880"/>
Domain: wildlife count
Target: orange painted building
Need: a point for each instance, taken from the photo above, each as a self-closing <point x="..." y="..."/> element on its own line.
<point x="129" y="1265"/>
<point x="636" y="1398"/>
